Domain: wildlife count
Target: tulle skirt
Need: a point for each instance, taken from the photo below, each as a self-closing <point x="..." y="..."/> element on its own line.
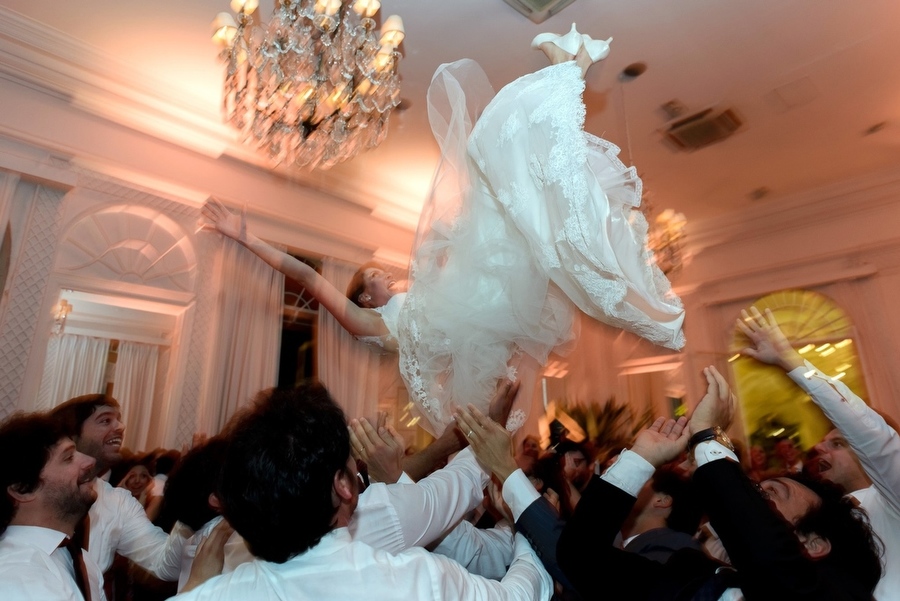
<point x="530" y="218"/>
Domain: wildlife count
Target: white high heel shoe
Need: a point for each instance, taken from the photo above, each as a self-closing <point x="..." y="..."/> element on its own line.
<point x="572" y="41"/>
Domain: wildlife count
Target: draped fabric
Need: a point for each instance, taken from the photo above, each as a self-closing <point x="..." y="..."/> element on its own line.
<point x="530" y="218"/>
<point x="74" y="365"/>
<point x="135" y="389"/>
<point x="348" y="368"/>
<point x="248" y="320"/>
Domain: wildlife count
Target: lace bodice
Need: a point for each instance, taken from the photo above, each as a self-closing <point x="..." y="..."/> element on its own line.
<point x="390" y="314"/>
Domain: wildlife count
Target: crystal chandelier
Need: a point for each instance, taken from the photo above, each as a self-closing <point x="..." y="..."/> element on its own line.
<point x="317" y="84"/>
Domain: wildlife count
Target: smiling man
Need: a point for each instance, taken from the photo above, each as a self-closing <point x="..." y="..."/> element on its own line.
<point x="118" y="523"/>
<point x="47" y="490"/>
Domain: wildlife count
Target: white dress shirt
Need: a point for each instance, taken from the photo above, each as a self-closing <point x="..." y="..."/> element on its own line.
<point x="483" y="551"/>
<point x="341" y="568"/>
<point x="877" y="446"/>
<point x="33" y="567"/>
<point x="394" y="517"/>
<point x="159" y="485"/>
<point x="390" y="517"/>
<point x="119" y="524"/>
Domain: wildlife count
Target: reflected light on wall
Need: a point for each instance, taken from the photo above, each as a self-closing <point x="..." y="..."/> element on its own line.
<point x="806" y="349"/>
<point x="828" y="351"/>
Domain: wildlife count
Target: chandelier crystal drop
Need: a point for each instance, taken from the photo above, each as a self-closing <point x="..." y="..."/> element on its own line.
<point x="316" y="85"/>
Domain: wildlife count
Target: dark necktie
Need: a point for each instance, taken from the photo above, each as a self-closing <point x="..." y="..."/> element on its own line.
<point x="76" y="546"/>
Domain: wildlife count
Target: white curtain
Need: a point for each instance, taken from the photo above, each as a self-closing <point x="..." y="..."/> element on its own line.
<point x="135" y="389"/>
<point x="74" y="365"/>
<point x="248" y="334"/>
<point x="348" y="368"/>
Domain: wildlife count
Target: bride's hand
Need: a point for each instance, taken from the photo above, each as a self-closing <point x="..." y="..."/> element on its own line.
<point x="218" y="217"/>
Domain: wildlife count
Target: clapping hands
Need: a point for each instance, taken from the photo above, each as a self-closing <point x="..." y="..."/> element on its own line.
<point x="666" y="439"/>
<point x="716" y="408"/>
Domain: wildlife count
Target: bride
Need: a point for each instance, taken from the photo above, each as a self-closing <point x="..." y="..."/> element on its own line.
<point x="529" y="218"/>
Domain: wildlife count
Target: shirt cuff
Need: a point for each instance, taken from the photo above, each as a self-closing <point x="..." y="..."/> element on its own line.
<point x="519" y="493"/>
<point x="629" y="472"/>
<point x="809" y="377"/>
<point x="712" y="450"/>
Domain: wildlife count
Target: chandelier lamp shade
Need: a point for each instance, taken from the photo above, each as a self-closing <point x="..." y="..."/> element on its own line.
<point x="316" y="85"/>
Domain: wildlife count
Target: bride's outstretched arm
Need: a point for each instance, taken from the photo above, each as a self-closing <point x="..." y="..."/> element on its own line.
<point x="356" y="320"/>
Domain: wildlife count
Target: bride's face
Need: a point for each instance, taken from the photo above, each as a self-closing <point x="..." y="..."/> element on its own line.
<point x="379" y="287"/>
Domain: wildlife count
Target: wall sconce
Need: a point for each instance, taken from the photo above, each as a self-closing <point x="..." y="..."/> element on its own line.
<point x="60" y="311"/>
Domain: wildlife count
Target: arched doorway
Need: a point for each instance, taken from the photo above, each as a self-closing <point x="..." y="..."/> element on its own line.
<point x="772" y="406"/>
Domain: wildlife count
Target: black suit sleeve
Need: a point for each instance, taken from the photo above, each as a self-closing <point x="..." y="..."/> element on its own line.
<point x="541" y="525"/>
<point x="586" y="551"/>
<point x="762" y="546"/>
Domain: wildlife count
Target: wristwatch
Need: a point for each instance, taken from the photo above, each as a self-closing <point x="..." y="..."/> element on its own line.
<point x="715" y="433"/>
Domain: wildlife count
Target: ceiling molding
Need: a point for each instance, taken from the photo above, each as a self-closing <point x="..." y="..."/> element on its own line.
<point x="791" y="212"/>
<point x="47" y="60"/>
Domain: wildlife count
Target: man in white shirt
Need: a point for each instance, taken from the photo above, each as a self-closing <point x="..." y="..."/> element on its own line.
<point x="862" y="453"/>
<point x="47" y="491"/>
<point x="118" y="522"/>
<point x="289" y="487"/>
<point x="395" y="512"/>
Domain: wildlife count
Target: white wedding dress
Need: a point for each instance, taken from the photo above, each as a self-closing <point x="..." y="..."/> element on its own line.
<point x="529" y="218"/>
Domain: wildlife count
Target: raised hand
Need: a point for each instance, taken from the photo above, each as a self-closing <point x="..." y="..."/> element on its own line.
<point x="218" y="217"/>
<point x="770" y="345"/>
<point x="716" y="408"/>
<point x="491" y="442"/>
<point x="210" y="558"/>
<point x="381" y="450"/>
<point x="663" y="441"/>
<point x="498" y="409"/>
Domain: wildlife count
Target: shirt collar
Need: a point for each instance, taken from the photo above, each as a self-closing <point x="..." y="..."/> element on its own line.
<point x="45" y="539"/>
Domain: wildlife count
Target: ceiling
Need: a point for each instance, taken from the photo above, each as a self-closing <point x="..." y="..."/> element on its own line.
<point x="811" y="80"/>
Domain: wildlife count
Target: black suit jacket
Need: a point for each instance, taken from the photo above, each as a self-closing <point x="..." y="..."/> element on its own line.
<point x="767" y="555"/>
<point x="541" y="525"/>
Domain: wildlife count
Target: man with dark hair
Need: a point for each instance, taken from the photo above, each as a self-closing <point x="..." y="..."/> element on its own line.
<point x="786" y="540"/>
<point x="46" y="492"/>
<point x="289" y="486"/>
<point x="861" y="454"/>
<point x="93" y="421"/>
<point x="665" y="517"/>
<point x="118" y="523"/>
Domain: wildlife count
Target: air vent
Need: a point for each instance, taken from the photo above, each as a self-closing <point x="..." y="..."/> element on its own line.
<point x="539" y="10"/>
<point x="701" y="129"/>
